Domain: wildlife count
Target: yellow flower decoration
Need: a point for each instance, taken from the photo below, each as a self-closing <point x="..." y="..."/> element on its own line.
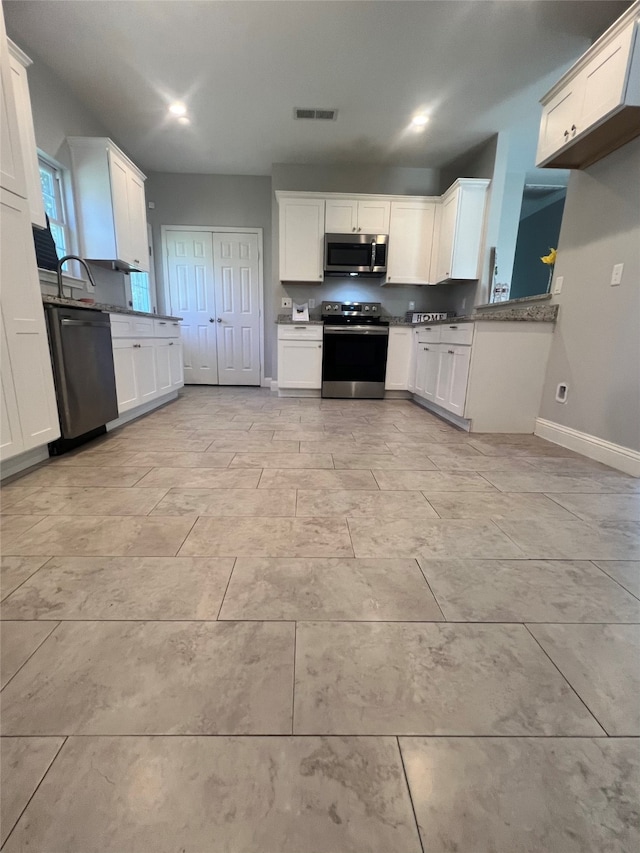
<point x="550" y="259"/>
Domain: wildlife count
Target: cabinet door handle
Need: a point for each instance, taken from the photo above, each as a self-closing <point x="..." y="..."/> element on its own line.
<point x="136" y="261"/>
<point x="319" y="346"/>
<point x="573" y="128"/>
<point x="426" y="349"/>
<point x="137" y="346"/>
<point x="162" y="322"/>
<point x="359" y="229"/>
<point x="566" y="134"/>
<point x="451" y="352"/>
<point x="219" y="319"/>
<point x="354" y="228"/>
<point x="211" y="320"/>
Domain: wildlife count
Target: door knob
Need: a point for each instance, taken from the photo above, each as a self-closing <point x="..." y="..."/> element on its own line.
<point x="219" y="319"/>
<point x="211" y="320"/>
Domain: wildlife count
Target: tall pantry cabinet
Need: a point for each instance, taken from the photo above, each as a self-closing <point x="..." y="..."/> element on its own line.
<point x="29" y="416"/>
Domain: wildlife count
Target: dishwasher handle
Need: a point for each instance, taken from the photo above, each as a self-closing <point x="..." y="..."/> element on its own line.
<point x="66" y="321"/>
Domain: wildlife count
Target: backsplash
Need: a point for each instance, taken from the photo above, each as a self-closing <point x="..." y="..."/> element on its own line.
<point x="394" y="298"/>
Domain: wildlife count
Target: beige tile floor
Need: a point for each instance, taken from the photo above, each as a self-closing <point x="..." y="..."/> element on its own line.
<point x="260" y="625"/>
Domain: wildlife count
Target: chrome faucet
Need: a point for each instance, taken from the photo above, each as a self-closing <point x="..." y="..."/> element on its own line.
<point x="59" y="271"/>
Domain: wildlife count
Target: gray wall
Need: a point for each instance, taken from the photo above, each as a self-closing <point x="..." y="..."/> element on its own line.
<point x="596" y="345"/>
<point x="58" y="114"/>
<point x="240" y="201"/>
<point x="537" y="234"/>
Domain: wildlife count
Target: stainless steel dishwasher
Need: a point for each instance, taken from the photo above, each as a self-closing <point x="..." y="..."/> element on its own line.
<point x="82" y="357"/>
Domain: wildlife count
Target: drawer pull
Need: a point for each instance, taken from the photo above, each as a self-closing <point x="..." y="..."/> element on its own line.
<point x="451" y="352"/>
<point x="426" y="349"/>
<point x="162" y="322"/>
<point x="137" y="346"/>
<point x="453" y="327"/>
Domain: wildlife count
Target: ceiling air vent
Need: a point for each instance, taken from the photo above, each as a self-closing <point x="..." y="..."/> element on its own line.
<point x="314" y="114"/>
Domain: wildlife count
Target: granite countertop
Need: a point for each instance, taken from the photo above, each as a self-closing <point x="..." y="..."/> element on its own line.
<point x="101" y="306"/>
<point x="540" y="297"/>
<point x="287" y="320"/>
<point x="505" y="314"/>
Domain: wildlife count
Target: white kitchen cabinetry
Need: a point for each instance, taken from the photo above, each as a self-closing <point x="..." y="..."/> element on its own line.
<point x="147" y="356"/>
<point x="30" y="415"/>
<point x="485" y="376"/>
<point x="301" y="239"/>
<point x="299" y="357"/>
<point x="366" y="216"/>
<point x="110" y="204"/>
<point x="411" y="242"/>
<point x="19" y="62"/>
<point x="12" y="171"/>
<point x="399" y="358"/>
<point x="595" y="107"/>
<point x="460" y="230"/>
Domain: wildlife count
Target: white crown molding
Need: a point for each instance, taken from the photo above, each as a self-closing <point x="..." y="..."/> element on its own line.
<point x="615" y="455"/>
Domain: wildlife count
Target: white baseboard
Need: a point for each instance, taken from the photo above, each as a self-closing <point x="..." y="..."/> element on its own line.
<point x="274" y="384"/>
<point x="267" y="382"/>
<point x="615" y="455"/>
<point x="435" y="409"/>
<point x="18" y="464"/>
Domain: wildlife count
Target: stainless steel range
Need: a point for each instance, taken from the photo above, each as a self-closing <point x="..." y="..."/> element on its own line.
<point x="354" y="357"/>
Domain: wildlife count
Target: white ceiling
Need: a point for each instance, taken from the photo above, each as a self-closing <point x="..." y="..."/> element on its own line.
<point x="242" y="66"/>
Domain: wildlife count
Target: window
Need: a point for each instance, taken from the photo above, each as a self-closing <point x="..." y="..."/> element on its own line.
<point x="140" y="292"/>
<point x="53" y="197"/>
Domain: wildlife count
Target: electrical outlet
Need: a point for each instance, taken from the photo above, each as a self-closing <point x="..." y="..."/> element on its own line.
<point x="286" y="302"/>
<point x="616" y="274"/>
<point x="464" y="303"/>
<point x="562" y="392"/>
<point x="312" y="303"/>
<point x="412" y="305"/>
<point x="559" y="283"/>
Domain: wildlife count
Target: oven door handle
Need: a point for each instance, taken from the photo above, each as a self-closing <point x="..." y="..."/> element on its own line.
<point x="373" y="255"/>
<point x="356" y="330"/>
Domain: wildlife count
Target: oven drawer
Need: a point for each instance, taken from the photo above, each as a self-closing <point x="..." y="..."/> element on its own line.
<point x="457" y="334"/>
<point x="299" y="332"/>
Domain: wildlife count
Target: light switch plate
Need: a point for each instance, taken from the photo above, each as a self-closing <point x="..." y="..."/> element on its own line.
<point x="286" y="302"/>
<point x="412" y="305"/>
<point x="312" y="303"/>
<point x="616" y="274"/>
<point x="558" y="284"/>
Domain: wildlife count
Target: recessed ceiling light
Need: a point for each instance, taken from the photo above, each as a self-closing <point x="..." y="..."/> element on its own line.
<point x="184" y="120"/>
<point x="177" y="109"/>
<point x="419" y="121"/>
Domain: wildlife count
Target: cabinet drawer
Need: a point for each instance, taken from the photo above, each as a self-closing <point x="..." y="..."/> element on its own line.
<point x="429" y="334"/>
<point x="130" y="326"/>
<point x="302" y="332"/>
<point x="452" y="334"/>
<point x="166" y="329"/>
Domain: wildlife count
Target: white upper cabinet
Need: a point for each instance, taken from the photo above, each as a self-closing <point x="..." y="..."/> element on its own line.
<point x="301" y="238"/>
<point x="593" y="109"/>
<point x="12" y="172"/>
<point x="362" y="216"/>
<point x="461" y="226"/>
<point x="19" y="62"/>
<point x="110" y="203"/>
<point x="410" y="242"/>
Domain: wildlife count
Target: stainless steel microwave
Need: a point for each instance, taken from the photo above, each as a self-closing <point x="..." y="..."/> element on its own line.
<point x="355" y="254"/>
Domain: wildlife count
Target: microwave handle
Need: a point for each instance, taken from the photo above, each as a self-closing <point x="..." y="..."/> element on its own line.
<point x="373" y="254"/>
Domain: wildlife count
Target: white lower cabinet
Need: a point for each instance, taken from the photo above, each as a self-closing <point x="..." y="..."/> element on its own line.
<point x="300" y="357"/>
<point x="398" y="359"/>
<point x="487" y="376"/>
<point x="146" y="367"/>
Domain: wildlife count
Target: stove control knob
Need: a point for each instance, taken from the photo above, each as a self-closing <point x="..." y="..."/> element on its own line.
<point x="366" y="307"/>
<point x="374" y="308"/>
